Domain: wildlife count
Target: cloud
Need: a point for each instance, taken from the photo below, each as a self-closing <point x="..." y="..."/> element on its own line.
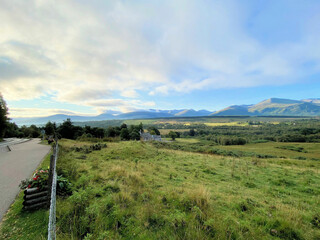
<point x="130" y="94"/>
<point x="102" y="105"/>
<point x="40" y="112"/>
<point x="81" y="94"/>
<point x="88" y="52"/>
<point x="107" y="103"/>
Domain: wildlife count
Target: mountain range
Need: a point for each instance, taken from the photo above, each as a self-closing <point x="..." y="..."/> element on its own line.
<point x="274" y="107"/>
<point x="268" y="107"/>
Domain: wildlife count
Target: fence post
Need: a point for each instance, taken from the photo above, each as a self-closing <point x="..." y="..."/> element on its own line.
<point x="50" y="178"/>
<point x="52" y="194"/>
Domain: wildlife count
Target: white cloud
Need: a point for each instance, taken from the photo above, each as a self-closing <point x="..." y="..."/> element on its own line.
<point x="130" y="94"/>
<point x="40" y="112"/>
<point x="81" y="94"/>
<point x="102" y="105"/>
<point x="87" y="52"/>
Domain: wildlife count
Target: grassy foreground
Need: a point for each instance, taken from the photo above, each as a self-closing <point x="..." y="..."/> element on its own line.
<point x="134" y="190"/>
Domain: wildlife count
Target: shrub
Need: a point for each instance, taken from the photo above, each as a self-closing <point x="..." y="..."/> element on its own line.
<point x="316" y="221"/>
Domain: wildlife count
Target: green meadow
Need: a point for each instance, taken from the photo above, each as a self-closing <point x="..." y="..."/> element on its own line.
<point x="139" y="190"/>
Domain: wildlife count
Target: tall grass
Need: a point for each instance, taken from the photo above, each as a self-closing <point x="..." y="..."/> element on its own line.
<point x="133" y="190"/>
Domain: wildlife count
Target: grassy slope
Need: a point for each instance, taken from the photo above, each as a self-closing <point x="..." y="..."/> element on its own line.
<point x="131" y="190"/>
<point x="274" y="148"/>
<point x="310" y="151"/>
<point x="19" y="224"/>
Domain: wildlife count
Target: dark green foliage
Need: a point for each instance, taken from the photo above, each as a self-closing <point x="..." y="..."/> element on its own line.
<point x="293" y="148"/>
<point x="13" y="131"/>
<point x="66" y="129"/>
<point x="134" y="135"/>
<point x="153" y="130"/>
<point x="3" y="116"/>
<point x="50" y="128"/>
<point x="89" y="149"/>
<point x="229" y="140"/>
<point x="33" y="131"/>
<point x="172" y="135"/>
<point x="124" y="134"/>
<point x="283" y="132"/>
<point x="63" y="186"/>
<point x="284" y="230"/>
<point x="316" y="221"/>
<point x="192" y="132"/>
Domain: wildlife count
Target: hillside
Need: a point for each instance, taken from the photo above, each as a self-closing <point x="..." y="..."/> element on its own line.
<point x="137" y="190"/>
<point x="233" y="111"/>
<point x="111" y="115"/>
<point x="274" y="107"/>
<point x="268" y="107"/>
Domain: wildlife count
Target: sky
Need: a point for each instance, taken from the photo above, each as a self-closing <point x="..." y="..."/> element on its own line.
<point x="89" y="57"/>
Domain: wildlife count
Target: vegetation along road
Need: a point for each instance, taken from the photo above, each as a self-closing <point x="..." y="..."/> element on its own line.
<point x="16" y="165"/>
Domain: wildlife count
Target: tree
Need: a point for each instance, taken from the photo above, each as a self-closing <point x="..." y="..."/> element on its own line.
<point x="34" y="131"/>
<point x="134" y="135"/>
<point x="192" y="132"/>
<point x="153" y="130"/>
<point x="111" y="132"/>
<point x="173" y="135"/>
<point x="66" y="129"/>
<point x="124" y="134"/>
<point x="3" y="116"/>
<point x="140" y="127"/>
<point x="12" y="130"/>
<point x="49" y="128"/>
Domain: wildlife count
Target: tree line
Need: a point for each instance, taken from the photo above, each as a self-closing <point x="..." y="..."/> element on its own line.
<point x="68" y="130"/>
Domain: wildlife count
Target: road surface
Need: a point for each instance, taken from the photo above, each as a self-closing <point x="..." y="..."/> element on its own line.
<point x="16" y="165"/>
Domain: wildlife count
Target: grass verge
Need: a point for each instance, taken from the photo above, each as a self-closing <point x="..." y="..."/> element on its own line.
<point x="18" y="224"/>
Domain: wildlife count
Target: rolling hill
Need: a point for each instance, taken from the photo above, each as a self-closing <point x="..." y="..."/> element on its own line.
<point x="151" y="113"/>
<point x="274" y="107"/>
<point x="268" y="107"/>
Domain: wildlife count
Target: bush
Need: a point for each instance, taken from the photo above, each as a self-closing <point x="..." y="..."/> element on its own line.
<point x="229" y="140"/>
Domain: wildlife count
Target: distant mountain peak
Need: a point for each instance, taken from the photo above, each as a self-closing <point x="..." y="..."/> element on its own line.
<point x="267" y="107"/>
<point x="279" y="101"/>
<point x="275" y="107"/>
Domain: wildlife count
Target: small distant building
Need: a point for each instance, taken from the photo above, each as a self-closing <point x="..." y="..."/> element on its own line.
<point x="149" y="137"/>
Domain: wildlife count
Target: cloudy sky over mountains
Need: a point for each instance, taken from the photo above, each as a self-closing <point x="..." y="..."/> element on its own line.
<point x="86" y="57"/>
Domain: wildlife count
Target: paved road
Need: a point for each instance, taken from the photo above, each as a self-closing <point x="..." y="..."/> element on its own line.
<point x="17" y="165"/>
<point x="8" y="142"/>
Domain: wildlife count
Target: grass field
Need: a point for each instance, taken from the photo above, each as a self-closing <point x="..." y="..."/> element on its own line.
<point x="133" y="190"/>
<point x="215" y="124"/>
<point x="187" y="121"/>
<point x="166" y="131"/>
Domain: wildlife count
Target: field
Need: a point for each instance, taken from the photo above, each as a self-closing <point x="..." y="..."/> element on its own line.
<point x="166" y="131"/>
<point x="187" y="121"/>
<point x="137" y="190"/>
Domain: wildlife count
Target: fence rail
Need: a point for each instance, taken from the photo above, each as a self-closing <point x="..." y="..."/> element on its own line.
<point x="52" y="193"/>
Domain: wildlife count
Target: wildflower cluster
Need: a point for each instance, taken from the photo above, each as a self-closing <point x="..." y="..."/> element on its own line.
<point x="38" y="180"/>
